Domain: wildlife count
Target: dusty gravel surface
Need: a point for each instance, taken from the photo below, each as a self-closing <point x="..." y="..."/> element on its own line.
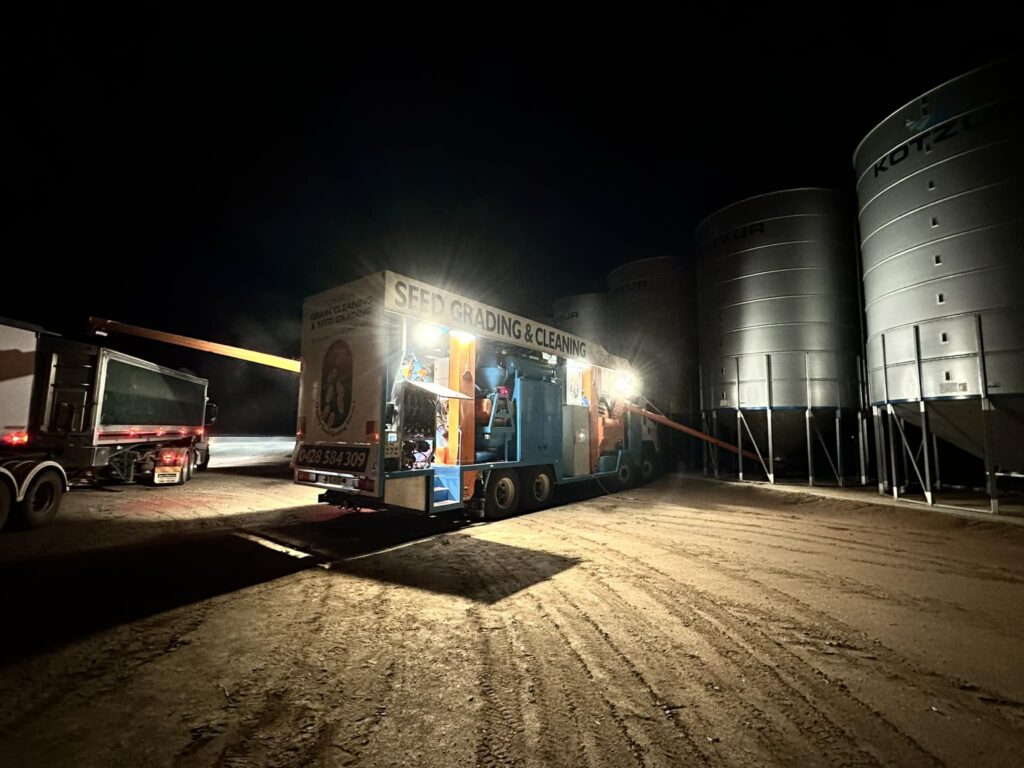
<point x="236" y="623"/>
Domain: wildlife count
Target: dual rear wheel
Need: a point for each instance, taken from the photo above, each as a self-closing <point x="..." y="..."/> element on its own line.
<point x="509" y="491"/>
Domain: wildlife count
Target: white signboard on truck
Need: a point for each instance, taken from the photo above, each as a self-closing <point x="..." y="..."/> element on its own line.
<point x="344" y="344"/>
<point x="415" y="298"/>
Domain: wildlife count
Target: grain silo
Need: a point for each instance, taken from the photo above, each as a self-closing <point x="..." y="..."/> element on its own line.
<point x="779" y="331"/>
<point x="940" y="187"/>
<point x="583" y="314"/>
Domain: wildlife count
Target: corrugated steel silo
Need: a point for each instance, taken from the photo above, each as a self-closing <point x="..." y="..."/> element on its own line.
<point x="778" y="323"/>
<point x="583" y="314"/>
<point x="940" y="186"/>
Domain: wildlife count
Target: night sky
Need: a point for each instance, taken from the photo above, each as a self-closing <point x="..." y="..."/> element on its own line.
<point x="202" y="172"/>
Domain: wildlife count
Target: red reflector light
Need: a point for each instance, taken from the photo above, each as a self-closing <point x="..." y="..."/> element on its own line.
<point x="16" y="438"/>
<point x="365" y="483"/>
<point x="170" y="458"/>
<point x="199" y="431"/>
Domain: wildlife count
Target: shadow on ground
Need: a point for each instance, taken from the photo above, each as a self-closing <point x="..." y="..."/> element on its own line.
<point x="462" y="566"/>
<point x="49" y="601"/>
<point x="52" y="600"/>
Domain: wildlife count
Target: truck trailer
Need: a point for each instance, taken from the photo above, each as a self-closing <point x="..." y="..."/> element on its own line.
<point x="78" y="413"/>
<point x="416" y="399"/>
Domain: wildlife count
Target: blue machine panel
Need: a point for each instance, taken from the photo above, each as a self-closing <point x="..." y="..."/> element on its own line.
<point x="540" y="422"/>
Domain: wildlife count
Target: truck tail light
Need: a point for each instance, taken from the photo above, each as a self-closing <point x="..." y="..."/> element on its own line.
<point x="171" y="458"/>
<point x="365" y="483"/>
<point x="15" y="438"/>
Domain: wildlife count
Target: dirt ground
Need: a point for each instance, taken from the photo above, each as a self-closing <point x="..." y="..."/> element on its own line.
<point x="236" y="623"/>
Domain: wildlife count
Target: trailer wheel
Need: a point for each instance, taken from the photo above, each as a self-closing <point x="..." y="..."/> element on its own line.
<point x="5" y="502"/>
<point x="186" y="467"/>
<point x="537" y="486"/>
<point x="502" y="497"/>
<point x="41" y="502"/>
<point x="201" y="466"/>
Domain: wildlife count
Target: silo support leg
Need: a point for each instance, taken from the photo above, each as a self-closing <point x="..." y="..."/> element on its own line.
<point x="714" y="433"/>
<point x="990" y="468"/>
<point x="739" y="440"/>
<point x="705" y="449"/>
<point x="926" y="457"/>
<point x="923" y="480"/>
<point x="895" y="479"/>
<point x="839" y="446"/>
<point x="904" y="450"/>
<point x="828" y="454"/>
<point x="880" y="450"/>
<point x="809" y="417"/>
<point x="757" y="450"/>
<point x="862" y="446"/>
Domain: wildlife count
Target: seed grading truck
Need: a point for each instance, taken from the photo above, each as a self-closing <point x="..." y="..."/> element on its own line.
<point x="414" y="398"/>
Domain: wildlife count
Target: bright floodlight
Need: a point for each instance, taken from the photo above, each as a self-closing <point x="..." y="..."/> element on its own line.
<point x="428" y="333"/>
<point x="625" y="384"/>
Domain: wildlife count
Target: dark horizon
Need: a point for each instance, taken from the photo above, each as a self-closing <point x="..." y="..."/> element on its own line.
<point x="202" y="178"/>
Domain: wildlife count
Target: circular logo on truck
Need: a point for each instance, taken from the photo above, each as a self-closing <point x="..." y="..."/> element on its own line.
<point x="334" y="408"/>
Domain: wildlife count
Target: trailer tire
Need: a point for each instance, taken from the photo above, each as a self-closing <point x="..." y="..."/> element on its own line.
<point x="201" y="466"/>
<point x="41" y="502"/>
<point x="5" y="502"/>
<point x="502" y="497"/>
<point x="537" y="486"/>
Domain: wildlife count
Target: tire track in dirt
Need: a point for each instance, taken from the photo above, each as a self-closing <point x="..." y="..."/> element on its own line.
<point x="761" y="658"/>
<point x="583" y="635"/>
<point x="814" y="576"/>
<point x="749" y="714"/>
<point x="715" y="703"/>
<point x="799" y="530"/>
<point x="948" y="693"/>
<point x="509" y="677"/>
<point x="628" y="749"/>
<point x="903" y="558"/>
<point x="588" y="739"/>
<point x="501" y="719"/>
<point x="796" y="605"/>
<point x="895" y="666"/>
<point x="287" y="711"/>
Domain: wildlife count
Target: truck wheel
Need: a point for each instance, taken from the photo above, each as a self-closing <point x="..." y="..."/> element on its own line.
<point x="202" y="460"/>
<point x="502" y="497"/>
<point x="186" y="467"/>
<point x="648" y="466"/>
<point x="41" y="502"/>
<point x="5" y="503"/>
<point x="625" y="478"/>
<point x="537" y="486"/>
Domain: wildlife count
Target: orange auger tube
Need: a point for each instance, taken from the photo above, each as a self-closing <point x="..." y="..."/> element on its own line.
<point x="657" y="417"/>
